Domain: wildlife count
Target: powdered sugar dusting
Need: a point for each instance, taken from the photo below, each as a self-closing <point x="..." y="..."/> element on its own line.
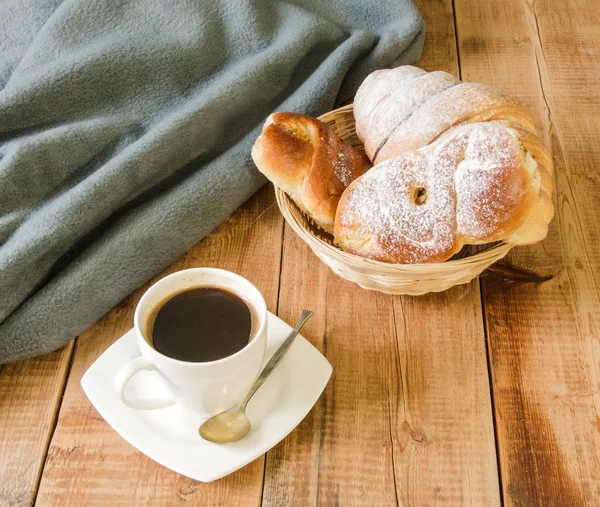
<point x="489" y="183"/>
<point x="466" y="102"/>
<point x="403" y="104"/>
<point x="342" y="168"/>
<point x="376" y="88"/>
<point x="400" y="95"/>
<point x="466" y="177"/>
<point x="379" y="213"/>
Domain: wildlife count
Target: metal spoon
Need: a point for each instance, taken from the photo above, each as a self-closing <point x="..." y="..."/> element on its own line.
<point x="233" y="425"/>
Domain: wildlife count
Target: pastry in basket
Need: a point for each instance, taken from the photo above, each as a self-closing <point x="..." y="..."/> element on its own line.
<point x="403" y="109"/>
<point x="479" y="183"/>
<point x="307" y="160"/>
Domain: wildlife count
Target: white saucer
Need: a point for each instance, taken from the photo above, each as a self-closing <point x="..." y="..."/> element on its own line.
<point x="170" y="436"/>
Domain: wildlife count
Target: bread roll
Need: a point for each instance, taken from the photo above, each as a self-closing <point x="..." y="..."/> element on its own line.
<point x="403" y="109"/>
<point x="479" y="183"/>
<point x="307" y="160"/>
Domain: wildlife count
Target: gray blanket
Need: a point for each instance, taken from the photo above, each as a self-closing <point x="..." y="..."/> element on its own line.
<point x="126" y="127"/>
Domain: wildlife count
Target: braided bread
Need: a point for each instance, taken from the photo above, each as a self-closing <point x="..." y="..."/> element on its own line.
<point x="307" y="160"/>
<point x="457" y="163"/>
<point x="476" y="184"/>
<point x="406" y="108"/>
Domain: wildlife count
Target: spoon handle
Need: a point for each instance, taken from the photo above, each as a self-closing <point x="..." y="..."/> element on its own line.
<point x="276" y="359"/>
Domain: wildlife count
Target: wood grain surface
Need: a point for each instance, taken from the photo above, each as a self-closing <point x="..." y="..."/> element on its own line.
<point x="88" y="463"/>
<point x="30" y="394"/>
<point x="545" y="348"/>
<point x="485" y="395"/>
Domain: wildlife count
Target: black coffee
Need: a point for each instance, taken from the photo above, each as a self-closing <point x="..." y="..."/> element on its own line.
<point x="202" y="324"/>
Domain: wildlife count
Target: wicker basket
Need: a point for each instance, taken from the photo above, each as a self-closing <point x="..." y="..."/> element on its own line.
<point x="412" y="279"/>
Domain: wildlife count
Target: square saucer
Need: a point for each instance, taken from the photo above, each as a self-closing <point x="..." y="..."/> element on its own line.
<point x="170" y="437"/>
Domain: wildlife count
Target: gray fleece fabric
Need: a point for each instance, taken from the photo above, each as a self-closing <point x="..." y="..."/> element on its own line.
<point x="126" y="128"/>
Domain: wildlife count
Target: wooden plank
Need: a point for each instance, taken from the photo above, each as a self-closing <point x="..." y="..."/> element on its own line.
<point x="406" y="418"/>
<point x="544" y="339"/>
<point x="439" y="52"/>
<point x="30" y="393"/>
<point x="88" y="463"/>
<point x="444" y="428"/>
<point x="341" y="454"/>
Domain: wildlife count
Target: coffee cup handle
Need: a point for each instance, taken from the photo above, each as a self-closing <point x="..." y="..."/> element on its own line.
<point x="126" y="373"/>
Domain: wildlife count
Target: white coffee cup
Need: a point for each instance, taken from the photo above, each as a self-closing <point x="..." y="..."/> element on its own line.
<point x="205" y="388"/>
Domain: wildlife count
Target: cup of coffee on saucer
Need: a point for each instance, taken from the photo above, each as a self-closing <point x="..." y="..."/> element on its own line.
<point x="263" y="360"/>
<point x="203" y="330"/>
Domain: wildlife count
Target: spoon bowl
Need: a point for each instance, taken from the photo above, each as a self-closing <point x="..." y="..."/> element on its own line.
<point x="233" y="425"/>
<point x="225" y="427"/>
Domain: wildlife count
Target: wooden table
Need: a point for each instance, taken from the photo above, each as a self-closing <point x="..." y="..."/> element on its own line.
<point x="483" y="395"/>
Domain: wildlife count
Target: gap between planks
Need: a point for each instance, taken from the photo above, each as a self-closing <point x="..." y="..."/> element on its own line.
<point x="72" y="346"/>
<point x="282" y="237"/>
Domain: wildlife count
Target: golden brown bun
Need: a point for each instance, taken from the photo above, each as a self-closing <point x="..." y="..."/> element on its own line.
<point x="478" y="183"/>
<point x="307" y="160"/>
